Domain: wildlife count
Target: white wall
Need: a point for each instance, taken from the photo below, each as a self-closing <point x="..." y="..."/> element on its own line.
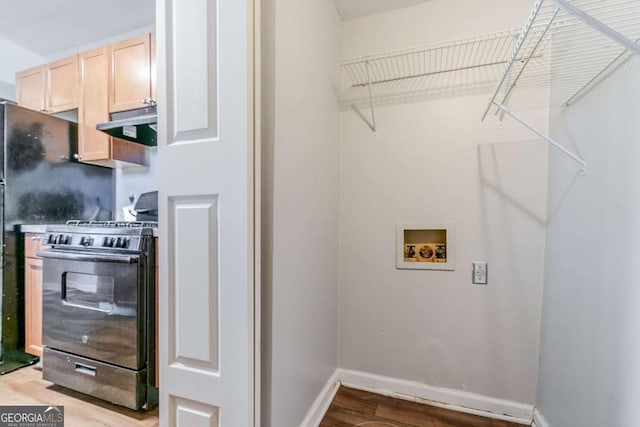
<point x="135" y="180"/>
<point x="429" y="161"/>
<point x="301" y="47"/>
<point x="14" y="58"/>
<point x="436" y="21"/>
<point x="590" y="352"/>
<point x="7" y="91"/>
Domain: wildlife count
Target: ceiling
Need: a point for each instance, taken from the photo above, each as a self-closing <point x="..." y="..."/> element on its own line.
<point x="48" y="27"/>
<point x="351" y="9"/>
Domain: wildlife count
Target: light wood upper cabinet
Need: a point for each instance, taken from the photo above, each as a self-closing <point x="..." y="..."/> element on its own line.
<point x="109" y="79"/>
<point x="94" y="105"/>
<point x="130" y="74"/>
<point x="49" y="88"/>
<point x="61" y="85"/>
<point x="95" y="146"/>
<point x="30" y="88"/>
<point x="57" y="86"/>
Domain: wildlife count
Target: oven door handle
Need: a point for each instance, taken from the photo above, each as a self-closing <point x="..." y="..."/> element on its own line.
<point x="93" y="257"/>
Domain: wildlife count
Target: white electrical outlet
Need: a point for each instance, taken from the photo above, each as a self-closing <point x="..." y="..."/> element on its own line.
<point x="480" y="272"/>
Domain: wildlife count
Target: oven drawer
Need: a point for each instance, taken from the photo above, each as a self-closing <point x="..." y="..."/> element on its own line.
<point x="111" y="383"/>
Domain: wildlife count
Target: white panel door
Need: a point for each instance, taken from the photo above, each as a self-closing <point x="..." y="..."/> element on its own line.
<point x="206" y="191"/>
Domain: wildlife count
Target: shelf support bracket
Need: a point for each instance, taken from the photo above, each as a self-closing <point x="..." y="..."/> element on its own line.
<point x="514" y="54"/>
<point x="581" y="162"/>
<point x="373" y="113"/>
<point x="601" y="27"/>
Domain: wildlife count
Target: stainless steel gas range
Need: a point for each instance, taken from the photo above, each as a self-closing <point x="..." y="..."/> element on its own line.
<point x="99" y="310"/>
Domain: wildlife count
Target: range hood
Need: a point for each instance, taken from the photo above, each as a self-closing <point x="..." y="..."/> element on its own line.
<point x="135" y="126"/>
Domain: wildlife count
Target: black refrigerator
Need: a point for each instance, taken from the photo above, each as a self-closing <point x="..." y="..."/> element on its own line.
<point x="40" y="183"/>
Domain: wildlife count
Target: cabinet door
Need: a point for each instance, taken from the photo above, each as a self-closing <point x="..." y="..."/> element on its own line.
<point x="32" y="244"/>
<point x="61" y="85"/>
<point x="30" y="88"/>
<point x="154" y="72"/>
<point x="94" y="105"/>
<point x="130" y="74"/>
<point x="33" y="306"/>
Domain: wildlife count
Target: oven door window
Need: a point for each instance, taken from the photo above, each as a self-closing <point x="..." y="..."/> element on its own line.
<point x="88" y="291"/>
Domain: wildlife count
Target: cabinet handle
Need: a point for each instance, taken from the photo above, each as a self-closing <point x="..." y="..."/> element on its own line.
<point x="34" y="238"/>
<point x="145" y="101"/>
<point x="77" y="156"/>
<point x="43" y="110"/>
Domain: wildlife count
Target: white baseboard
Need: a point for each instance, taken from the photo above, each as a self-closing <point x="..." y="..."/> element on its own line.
<point x="455" y="400"/>
<point x="539" y="420"/>
<point x="322" y="402"/>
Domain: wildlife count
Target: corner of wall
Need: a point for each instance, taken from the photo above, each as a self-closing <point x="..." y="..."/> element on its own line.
<point x="538" y="419"/>
<point x="15" y="58"/>
<point x="7" y="91"/>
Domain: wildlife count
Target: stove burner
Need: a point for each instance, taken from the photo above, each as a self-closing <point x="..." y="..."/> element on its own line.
<point x="113" y="224"/>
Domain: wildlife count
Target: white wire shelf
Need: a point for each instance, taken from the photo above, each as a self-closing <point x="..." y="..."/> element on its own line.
<point x="564" y="50"/>
<point x="570" y="55"/>
<point x="454" y="67"/>
<point x="456" y="55"/>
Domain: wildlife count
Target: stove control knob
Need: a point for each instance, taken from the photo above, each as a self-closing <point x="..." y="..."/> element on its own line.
<point x="125" y="243"/>
<point x="60" y="239"/>
<point x="50" y="239"/>
<point x="118" y="242"/>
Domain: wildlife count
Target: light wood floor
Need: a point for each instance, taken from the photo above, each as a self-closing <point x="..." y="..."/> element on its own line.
<point x="352" y="408"/>
<point x="26" y="387"/>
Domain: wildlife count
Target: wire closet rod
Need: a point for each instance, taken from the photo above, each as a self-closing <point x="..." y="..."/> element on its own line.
<point x="581" y="162"/>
